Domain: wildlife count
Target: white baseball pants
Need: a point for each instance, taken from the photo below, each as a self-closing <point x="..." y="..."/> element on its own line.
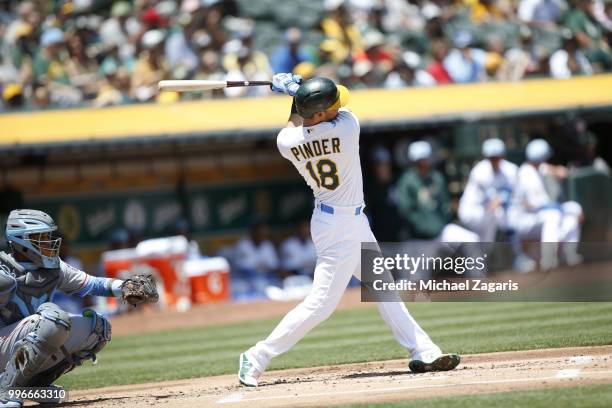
<point x="482" y="221"/>
<point x="553" y="226"/>
<point x="337" y="238"/>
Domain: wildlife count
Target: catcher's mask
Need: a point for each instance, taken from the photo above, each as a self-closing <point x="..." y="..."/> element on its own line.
<point x="32" y="234"/>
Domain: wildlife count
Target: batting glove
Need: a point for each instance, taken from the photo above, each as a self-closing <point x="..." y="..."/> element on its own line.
<point x="286" y="83"/>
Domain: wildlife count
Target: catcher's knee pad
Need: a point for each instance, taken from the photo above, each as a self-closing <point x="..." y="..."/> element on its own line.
<point x="99" y="335"/>
<point x="32" y="352"/>
<point x="93" y="337"/>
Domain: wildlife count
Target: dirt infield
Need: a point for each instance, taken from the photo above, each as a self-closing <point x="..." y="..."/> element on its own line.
<point x="369" y="382"/>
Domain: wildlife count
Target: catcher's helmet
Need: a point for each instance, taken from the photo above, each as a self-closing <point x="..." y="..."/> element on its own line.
<point x="318" y="95"/>
<point x="30" y="233"/>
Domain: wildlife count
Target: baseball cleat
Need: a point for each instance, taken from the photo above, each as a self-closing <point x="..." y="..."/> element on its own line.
<point x="247" y="373"/>
<point x="444" y="362"/>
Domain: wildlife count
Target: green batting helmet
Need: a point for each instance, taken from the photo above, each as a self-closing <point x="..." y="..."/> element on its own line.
<point x="318" y="95"/>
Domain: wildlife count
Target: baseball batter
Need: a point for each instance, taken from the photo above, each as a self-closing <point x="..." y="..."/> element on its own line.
<point x="321" y="139"/>
<point x="39" y="341"/>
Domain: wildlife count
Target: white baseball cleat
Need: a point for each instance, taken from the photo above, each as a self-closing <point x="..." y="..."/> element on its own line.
<point x="247" y="373"/>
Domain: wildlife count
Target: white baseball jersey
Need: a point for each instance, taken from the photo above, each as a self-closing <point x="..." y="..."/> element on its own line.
<point x="484" y="184"/>
<point x="531" y="194"/>
<point x="327" y="157"/>
<point x="261" y="258"/>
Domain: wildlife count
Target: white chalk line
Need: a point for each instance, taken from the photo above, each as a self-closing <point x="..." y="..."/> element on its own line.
<point x="580" y="359"/>
<point x="568" y="373"/>
<point x="240" y="397"/>
<point x="236" y="397"/>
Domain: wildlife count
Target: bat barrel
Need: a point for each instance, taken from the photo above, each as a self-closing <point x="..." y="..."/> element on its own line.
<point x="204" y="85"/>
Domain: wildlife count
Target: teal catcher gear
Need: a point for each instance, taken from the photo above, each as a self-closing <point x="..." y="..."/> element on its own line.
<point x="30" y="233"/>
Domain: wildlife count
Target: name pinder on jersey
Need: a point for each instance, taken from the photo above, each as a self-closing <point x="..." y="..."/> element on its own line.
<point x="316" y="148"/>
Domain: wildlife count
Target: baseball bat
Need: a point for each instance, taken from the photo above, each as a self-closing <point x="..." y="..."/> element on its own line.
<point x="186" y="85"/>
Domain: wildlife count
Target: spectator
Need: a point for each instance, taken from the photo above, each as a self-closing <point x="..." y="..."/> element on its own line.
<point x="407" y="72"/>
<point x="541" y="13"/>
<point x="381" y="197"/>
<point x="42" y="99"/>
<point x="339" y="27"/>
<point x="298" y="254"/>
<point x="362" y="46"/>
<point x="82" y="71"/>
<point x="484" y="11"/>
<point x="49" y="63"/>
<point x="589" y="33"/>
<point x="210" y="68"/>
<point x="376" y="51"/>
<point x="12" y="95"/>
<point x="463" y="63"/>
<point x="436" y="67"/>
<point x="424" y="201"/>
<point x="243" y="63"/>
<point x="521" y="61"/>
<point x="121" y="30"/>
<point x="151" y="67"/>
<point x="329" y="60"/>
<point x="23" y="52"/>
<point x="27" y="15"/>
<point x="289" y="54"/>
<point x="306" y="70"/>
<point x="115" y="89"/>
<point x="535" y="214"/>
<point x="182" y="51"/>
<point x="569" y="60"/>
<point x="254" y="258"/>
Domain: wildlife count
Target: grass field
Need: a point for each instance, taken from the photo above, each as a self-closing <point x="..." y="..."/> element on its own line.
<point x="596" y="396"/>
<point x="347" y="337"/>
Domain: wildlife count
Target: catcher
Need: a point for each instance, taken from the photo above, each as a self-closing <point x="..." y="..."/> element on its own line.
<point x="39" y="341"/>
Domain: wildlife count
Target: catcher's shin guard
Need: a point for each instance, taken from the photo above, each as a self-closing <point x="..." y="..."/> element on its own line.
<point x="33" y="351"/>
<point x="100" y="334"/>
<point x="93" y="339"/>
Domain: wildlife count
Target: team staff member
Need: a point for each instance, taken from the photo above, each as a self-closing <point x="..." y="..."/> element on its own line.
<point x="424" y="202"/>
<point x="537" y="216"/>
<point x="484" y="205"/>
<point x="321" y="140"/>
<point x="486" y="197"/>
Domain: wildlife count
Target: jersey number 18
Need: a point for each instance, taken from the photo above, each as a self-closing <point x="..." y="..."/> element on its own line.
<point x="327" y="173"/>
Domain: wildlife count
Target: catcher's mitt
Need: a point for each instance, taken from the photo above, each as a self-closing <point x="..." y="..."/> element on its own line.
<point x="139" y="289"/>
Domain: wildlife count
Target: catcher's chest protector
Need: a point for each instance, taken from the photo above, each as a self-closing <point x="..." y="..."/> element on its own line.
<point x="33" y="289"/>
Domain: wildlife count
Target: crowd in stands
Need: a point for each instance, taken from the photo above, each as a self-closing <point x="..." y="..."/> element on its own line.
<point x="65" y="53"/>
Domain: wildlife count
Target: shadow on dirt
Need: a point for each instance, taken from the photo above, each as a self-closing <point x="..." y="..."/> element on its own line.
<point x="382" y="374"/>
